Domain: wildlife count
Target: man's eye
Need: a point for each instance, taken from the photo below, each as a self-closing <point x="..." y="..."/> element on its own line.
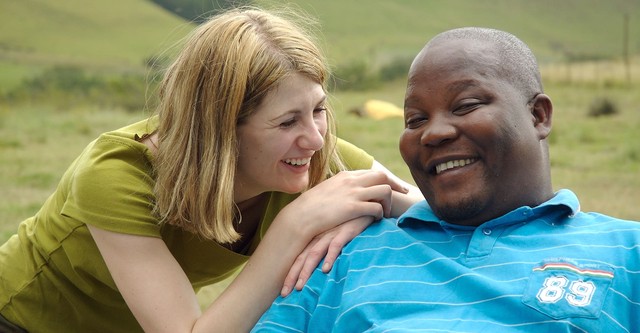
<point x="415" y="122"/>
<point x="465" y="108"/>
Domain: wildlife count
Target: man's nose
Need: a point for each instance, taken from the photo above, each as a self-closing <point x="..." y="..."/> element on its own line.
<point x="439" y="130"/>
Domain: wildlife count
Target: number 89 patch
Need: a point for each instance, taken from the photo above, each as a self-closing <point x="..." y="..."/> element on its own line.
<point x="562" y="289"/>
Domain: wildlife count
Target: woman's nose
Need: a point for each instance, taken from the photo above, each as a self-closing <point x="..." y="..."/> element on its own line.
<point x="312" y="137"/>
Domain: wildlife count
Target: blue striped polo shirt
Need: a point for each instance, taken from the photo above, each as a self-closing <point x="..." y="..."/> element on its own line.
<point x="551" y="268"/>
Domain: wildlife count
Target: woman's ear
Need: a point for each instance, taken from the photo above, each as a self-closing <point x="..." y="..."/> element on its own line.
<point x="542" y="112"/>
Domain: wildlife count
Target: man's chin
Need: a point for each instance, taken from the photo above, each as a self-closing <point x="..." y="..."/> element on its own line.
<point x="462" y="212"/>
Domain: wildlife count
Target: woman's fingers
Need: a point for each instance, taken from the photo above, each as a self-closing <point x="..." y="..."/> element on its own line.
<point x="382" y="194"/>
<point x="294" y="272"/>
<point x="315" y="253"/>
<point x="347" y="232"/>
<point x="349" y="195"/>
<point x="362" y="186"/>
<point x="371" y="177"/>
<point x="328" y="245"/>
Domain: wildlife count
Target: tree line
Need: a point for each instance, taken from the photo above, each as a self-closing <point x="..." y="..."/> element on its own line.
<point x="198" y="10"/>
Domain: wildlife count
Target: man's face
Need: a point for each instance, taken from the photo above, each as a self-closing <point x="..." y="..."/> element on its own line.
<point x="470" y="138"/>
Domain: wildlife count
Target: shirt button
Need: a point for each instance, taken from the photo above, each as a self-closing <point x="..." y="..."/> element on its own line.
<point x="486" y="231"/>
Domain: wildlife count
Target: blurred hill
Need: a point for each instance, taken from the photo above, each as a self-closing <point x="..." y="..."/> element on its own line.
<point x="554" y="29"/>
<point x="122" y="35"/>
<point x="193" y="10"/>
<point x="108" y="36"/>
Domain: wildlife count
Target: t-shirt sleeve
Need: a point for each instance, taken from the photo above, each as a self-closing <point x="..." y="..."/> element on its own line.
<point x="353" y="157"/>
<point x="112" y="188"/>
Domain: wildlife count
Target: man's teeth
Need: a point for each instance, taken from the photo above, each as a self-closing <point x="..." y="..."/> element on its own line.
<point x="453" y="164"/>
<point x="297" y="161"/>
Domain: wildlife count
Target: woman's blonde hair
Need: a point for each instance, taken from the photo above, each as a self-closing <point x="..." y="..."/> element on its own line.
<point x="226" y="68"/>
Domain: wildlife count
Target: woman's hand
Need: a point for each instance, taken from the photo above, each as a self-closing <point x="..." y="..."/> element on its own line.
<point x="343" y="197"/>
<point x="359" y="197"/>
<point x="328" y="244"/>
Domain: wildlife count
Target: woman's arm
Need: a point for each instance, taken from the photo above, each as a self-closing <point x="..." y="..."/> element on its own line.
<point x="329" y="244"/>
<point x="151" y="281"/>
<point x="160" y="296"/>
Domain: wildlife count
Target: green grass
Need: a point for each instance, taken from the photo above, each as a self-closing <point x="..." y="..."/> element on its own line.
<point x="118" y="35"/>
<point x="380" y="29"/>
<point x="107" y="36"/>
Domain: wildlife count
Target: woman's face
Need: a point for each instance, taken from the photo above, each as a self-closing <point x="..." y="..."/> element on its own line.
<point x="277" y="142"/>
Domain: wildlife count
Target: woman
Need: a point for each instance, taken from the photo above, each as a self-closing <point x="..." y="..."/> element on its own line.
<point x="153" y="211"/>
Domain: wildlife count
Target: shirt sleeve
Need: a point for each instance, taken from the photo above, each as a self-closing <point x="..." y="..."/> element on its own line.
<point x="112" y="188"/>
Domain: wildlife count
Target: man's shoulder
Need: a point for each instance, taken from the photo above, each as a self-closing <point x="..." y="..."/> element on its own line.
<point x="388" y="230"/>
<point x="380" y="227"/>
<point x="382" y="232"/>
<point x="600" y="219"/>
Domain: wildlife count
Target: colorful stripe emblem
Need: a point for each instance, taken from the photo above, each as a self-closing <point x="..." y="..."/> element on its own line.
<point x="572" y="268"/>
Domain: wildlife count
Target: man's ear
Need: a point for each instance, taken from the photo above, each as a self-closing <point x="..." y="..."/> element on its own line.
<point x="542" y="111"/>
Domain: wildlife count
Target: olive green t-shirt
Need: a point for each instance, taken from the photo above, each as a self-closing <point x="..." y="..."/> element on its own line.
<point x="52" y="277"/>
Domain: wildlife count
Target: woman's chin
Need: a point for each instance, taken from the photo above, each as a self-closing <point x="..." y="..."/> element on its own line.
<point x="294" y="188"/>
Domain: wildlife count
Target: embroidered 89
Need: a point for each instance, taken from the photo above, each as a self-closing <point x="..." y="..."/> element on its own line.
<point x="554" y="288"/>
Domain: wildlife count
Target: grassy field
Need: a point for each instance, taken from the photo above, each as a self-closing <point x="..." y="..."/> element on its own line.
<point x="113" y="36"/>
<point x="554" y="29"/>
<point x="118" y="35"/>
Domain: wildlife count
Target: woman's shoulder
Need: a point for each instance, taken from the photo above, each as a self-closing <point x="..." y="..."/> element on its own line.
<point x="112" y="179"/>
<point x="354" y="157"/>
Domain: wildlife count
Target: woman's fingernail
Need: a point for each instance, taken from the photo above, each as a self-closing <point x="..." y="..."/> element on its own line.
<point x="325" y="267"/>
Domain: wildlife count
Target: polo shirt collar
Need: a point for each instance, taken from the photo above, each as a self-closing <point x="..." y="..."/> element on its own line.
<point x="564" y="199"/>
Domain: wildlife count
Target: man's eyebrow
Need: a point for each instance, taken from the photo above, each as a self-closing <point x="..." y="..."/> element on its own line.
<point x="462" y="85"/>
<point x="453" y="88"/>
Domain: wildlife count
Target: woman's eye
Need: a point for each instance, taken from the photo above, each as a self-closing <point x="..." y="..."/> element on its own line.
<point x="320" y="110"/>
<point x="288" y="123"/>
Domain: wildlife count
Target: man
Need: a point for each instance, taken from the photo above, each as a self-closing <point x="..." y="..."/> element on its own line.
<point x="496" y="250"/>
